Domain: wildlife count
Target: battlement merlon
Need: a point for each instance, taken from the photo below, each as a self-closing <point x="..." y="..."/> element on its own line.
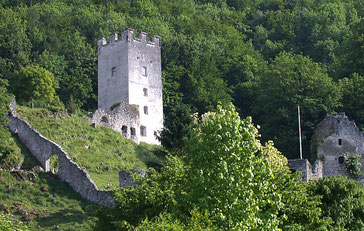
<point x="129" y="35"/>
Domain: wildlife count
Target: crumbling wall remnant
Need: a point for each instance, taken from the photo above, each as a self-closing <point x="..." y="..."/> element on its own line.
<point x="123" y="118"/>
<point x="43" y="148"/>
<point x="337" y="135"/>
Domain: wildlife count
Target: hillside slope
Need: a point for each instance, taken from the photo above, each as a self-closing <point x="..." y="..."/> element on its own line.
<point x="43" y="202"/>
<point x="101" y="151"/>
<point x="40" y="199"/>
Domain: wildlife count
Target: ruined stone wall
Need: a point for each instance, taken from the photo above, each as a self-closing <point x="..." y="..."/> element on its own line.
<point x="308" y="172"/>
<point x="123" y="114"/>
<point x="317" y="170"/>
<point x="336" y="135"/>
<point x="43" y="148"/>
<point x="126" y="179"/>
<point x="301" y="165"/>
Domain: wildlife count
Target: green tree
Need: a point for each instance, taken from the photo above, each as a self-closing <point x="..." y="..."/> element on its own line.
<point x="14" y="43"/>
<point x="178" y="125"/>
<point x="300" y="210"/>
<point x="342" y="201"/>
<point x="33" y="83"/>
<point x="10" y="155"/>
<point x="4" y="102"/>
<point x="203" y="87"/>
<point x="227" y="177"/>
<point x="353" y="98"/>
<point x="351" y="53"/>
<point x="222" y="175"/>
<point x="289" y="81"/>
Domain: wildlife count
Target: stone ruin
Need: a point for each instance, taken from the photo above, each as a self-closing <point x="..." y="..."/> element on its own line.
<point x="77" y="178"/>
<point x="333" y="137"/>
<point x="123" y="118"/>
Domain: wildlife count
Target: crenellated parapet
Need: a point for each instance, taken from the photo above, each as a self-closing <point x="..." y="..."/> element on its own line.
<point x="129" y="36"/>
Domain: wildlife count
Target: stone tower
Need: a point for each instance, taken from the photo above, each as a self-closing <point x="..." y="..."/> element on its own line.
<point x="129" y="70"/>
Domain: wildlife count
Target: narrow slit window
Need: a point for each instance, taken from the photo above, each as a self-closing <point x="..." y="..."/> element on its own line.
<point x="132" y="131"/>
<point x="340" y="141"/>
<point x="144" y="71"/>
<point x="341" y="159"/>
<point x="113" y="71"/>
<point x="146" y="110"/>
<point x="124" y="130"/>
<point x="104" y="119"/>
<point x="143" y="131"/>
<point x="145" y="91"/>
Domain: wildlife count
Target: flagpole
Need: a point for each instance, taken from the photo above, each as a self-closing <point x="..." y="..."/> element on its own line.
<point x="299" y="130"/>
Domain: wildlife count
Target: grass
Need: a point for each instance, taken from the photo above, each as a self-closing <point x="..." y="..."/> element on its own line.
<point x="101" y="151"/>
<point x="43" y="202"/>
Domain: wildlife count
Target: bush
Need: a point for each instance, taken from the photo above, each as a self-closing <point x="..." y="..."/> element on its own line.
<point x="352" y="164"/>
<point x="342" y="201"/>
<point x="9" y="223"/>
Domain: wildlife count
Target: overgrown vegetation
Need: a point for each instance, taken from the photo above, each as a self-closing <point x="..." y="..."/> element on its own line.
<point x="341" y="201"/>
<point x="101" y="151"/>
<point x="352" y="164"/>
<point x="9" y="223"/>
<point x="265" y="56"/>
<point x="212" y="51"/>
<point x="226" y="181"/>
<point x="43" y="202"/>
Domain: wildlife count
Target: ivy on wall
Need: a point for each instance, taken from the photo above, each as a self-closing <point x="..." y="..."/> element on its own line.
<point x="352" y="164"/>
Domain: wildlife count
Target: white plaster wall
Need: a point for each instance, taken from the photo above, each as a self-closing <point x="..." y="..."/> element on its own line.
<point x="129" y="55"/>
<point x="112" y="88"/>
<point x="142" y="54"/>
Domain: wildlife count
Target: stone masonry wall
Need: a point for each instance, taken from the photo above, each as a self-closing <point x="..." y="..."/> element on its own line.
<point x="123" y="114"/>
<point x="308" y="172"/>
<point x="301" y="165"/>
<point x="130" y="70"/>
<point x="43" y="148"/>
<point x="336" y="135"/>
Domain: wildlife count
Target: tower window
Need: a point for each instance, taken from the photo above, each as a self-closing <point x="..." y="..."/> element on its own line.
<point x="104" y="119"/>
<point x="146" y="110"/>
<point x="143" y="131"/>
<point x="145" y="91"/>
<point x="341" y="159"/>
<point x="340" y="141"/>
<point x="144" y="71"/>
<point x="124" y="130"/>
<point x="113" y="71"/>
<point x="132" y="131"/>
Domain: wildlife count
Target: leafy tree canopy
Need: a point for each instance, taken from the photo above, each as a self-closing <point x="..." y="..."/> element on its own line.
<point x="353" y="98"/>
<point x="227" y="180"/>
<point x="342" y="201"/>
<point x="291" y="81"/>
<point x="32" y="83"/>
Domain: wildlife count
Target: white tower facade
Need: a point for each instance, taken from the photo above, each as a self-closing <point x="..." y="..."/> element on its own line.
<point x="129" y="70"/>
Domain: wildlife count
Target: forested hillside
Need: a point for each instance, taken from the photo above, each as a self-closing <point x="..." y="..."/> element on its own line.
<point x="267" y="57"/>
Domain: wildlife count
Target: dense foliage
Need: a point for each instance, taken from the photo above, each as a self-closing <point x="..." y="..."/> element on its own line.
<point x="213" y="51"/>
<point x="233" y="184"/>
<point x="10" y="156"/>
<point x="352" y="165"/>
<point x="342" y="200"/>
